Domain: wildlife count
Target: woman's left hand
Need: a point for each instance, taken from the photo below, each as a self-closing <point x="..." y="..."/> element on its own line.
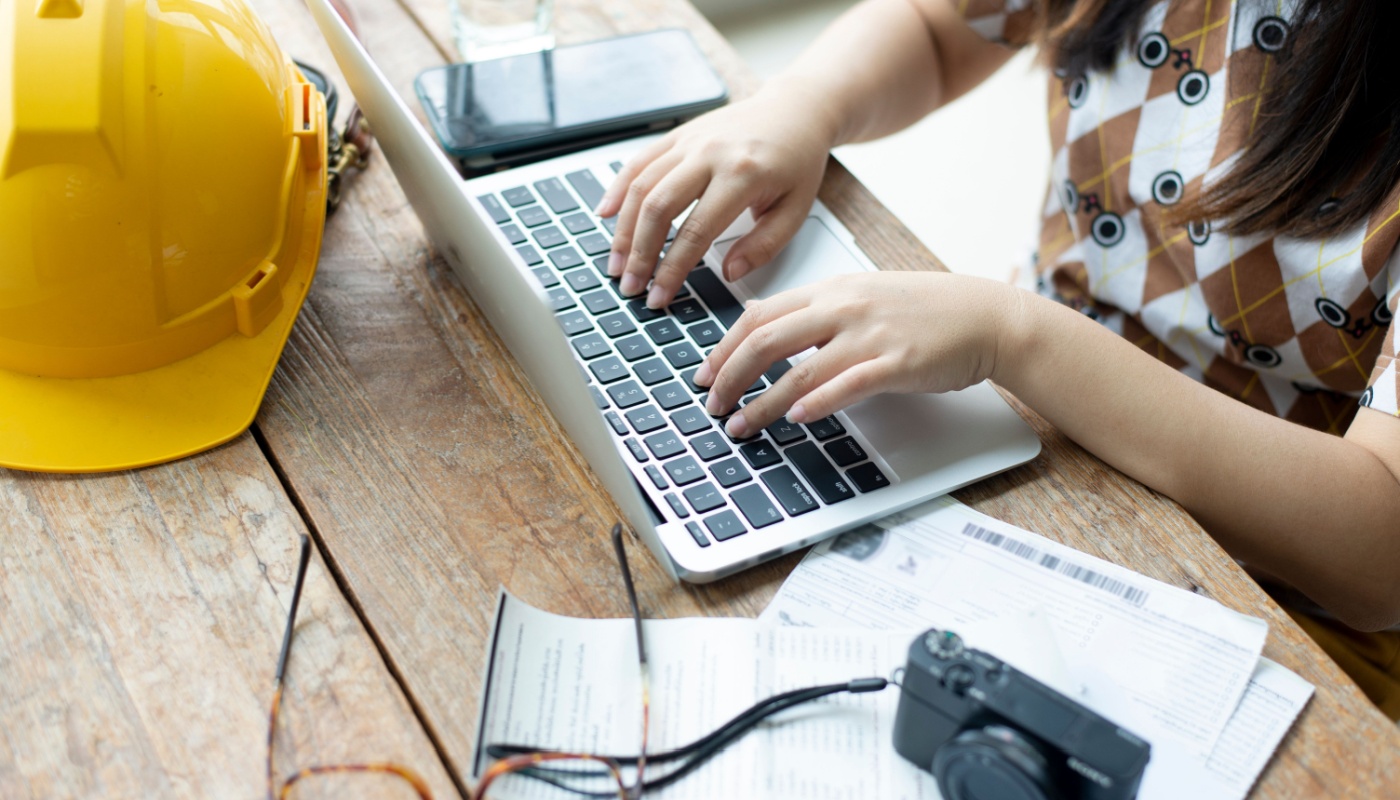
<point x="875" y="332"/>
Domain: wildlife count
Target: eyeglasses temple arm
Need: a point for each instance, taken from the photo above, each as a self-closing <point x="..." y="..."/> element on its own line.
<point x="292" y="613"/>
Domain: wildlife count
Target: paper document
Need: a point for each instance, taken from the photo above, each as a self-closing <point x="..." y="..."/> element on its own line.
<point x="572" y="684"/>
<point x="1177" y="668"/>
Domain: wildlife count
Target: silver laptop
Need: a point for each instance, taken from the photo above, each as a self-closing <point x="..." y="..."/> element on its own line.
<point x="617" y="376"/>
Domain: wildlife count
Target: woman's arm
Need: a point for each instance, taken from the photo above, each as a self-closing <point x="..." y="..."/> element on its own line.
<point x="880" y="67"/>
<point x="1318" y="511"/>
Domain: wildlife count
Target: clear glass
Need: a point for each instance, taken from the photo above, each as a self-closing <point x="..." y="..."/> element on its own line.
<point x="486" y="29"/>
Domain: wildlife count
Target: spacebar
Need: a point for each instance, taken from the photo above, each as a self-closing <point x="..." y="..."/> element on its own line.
<point x="716" y="295"/>
<point x="823" y="477"/>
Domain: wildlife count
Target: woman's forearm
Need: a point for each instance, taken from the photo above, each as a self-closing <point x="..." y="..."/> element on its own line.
<point x="885" y="64"/>
<point x="1317" y="510"/>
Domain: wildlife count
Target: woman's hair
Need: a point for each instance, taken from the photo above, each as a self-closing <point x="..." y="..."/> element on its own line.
<point x="1326" y="153"/>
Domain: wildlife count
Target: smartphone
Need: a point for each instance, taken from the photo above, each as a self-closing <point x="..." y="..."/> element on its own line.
<point x="489" y="111"/>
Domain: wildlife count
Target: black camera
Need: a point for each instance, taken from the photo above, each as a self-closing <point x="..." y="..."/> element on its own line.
<point x="989" y="732"/>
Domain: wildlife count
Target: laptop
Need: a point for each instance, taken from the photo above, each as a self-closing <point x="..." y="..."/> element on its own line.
<point x="617" y="376"/>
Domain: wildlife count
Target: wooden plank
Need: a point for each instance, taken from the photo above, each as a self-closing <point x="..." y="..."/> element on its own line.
<point x="140" y="619"/>
<point x="434" y="473"/>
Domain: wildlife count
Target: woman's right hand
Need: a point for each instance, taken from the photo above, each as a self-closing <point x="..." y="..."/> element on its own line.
<point x="766" y="153"/>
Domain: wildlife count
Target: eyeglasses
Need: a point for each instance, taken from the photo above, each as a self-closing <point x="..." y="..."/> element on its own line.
<point x="580" y="774"/>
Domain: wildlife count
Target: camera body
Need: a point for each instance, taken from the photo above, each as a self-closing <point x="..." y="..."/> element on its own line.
<point x="990" y="732"/>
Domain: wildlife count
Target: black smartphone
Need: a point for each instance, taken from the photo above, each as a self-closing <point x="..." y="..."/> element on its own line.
<point x="485" y="111"/>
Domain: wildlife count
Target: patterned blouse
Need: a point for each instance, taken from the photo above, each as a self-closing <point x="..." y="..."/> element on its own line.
<point x="1299" y="328"/>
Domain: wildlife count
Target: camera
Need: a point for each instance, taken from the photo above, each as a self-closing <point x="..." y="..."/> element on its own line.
<point x="989" y="732"/>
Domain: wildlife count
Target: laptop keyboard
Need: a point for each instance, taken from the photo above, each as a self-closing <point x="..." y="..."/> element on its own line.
<point x="640" y="366"/>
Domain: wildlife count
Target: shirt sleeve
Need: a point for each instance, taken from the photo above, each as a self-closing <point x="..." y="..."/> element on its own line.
<point x="1007" y="22"/>
<point x="1383" y="391"/>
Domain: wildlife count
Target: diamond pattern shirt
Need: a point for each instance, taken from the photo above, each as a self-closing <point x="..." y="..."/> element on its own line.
<point x="1299" y="328"/>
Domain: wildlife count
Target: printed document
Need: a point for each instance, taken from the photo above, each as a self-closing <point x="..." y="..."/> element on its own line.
<point x="1179" y="669"/>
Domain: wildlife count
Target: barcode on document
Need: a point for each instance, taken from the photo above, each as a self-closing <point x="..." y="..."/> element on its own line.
<point x="1020" y="549"/>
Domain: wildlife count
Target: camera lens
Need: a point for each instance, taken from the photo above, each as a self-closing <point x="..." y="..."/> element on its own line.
<point x="993" y="763"/>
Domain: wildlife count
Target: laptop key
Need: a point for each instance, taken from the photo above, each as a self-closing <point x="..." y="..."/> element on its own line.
<point x="789" y="491"/>
<point x="724" y="525"/>
<point x="756" y="507"/>
<point x="594" y="243"/>
<point x="703" y="497"/>
<point x="657" y="479"/>
<point x="778" y="370"/>
<point x="646" y="419"/>
<point x="676" y="505"/>
<point x="716" y="295"/>
<point x="574" y="323"/>
<point x="608" y="369"/>
<point x="578" y="223"/>
<point x="582" y="280"/>
<point x="529" y="255"/>
<point x="729" y="472"/>
<point x="706" y="333"/>
<point x="845" y="452"/>
<point x="627" y="394"/>
<point x="599" y="302"/>
<point x="614" y="420"/>
<point x="652" y="372"/>
<point x="688" y="311"/>
<point x="554" y="193"/>
<point x="513" y="233"/>
<point x="697" y="534"/>
<point x="565" y="258"/>
<point x="616" y="166"/>
<point x="683" y="470"/>
<point x="591" y="346"/>
<point x="532" y="217"/>
<point x="587" y="186"/>
<point x="690" y="420"/>
<point x="493" y="207"/>
<point x="827" y="482"/>
<point x="615" y="325"/>
<point x="785" y="432"/>
<point x="636" y="448"/>
<point x="760" y="454"/>
<point x="867" y="477"/>
<point x="825" y="428"/>
<point x="689" y="377"/>
<point x="671" y="395"/>
<point x="639" y="309"/>
<point x="598" y="398"/>
<point x="663" y="331"/>
<point x="546" y="277"/>
<point x="710" y="446"/>
<point x="682" y="355"/>
<point x="611" y="224"/>
<point x="665" y="444"/>
<point x="634" y="347"/>
<point x="549" y="237"/>
<point x="518" y="196"/>
<point x="560" y="300"/>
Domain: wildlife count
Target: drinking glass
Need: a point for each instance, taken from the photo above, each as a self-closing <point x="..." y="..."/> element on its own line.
<point x="486" y="29"/>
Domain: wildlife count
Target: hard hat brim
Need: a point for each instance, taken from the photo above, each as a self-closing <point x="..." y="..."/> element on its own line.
<point x="129" y="421"/>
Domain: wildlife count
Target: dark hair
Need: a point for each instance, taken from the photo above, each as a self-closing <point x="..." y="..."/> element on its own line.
<point x="1329" y="154"/>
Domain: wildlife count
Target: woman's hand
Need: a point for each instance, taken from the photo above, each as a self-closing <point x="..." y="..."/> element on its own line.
<point x="766" y="154"/>
<point x="875" y="332"/>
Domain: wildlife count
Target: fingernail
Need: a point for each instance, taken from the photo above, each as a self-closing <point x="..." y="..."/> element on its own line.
<point x="656" y="298"/>
<point x="616" y="261"/>
<point x="736" y="269"/>
<point x="797" y="413"/>
<point x="737" y="426"/>
<point x="598" y="209"/>
<point x="631" y="284"/>
<point x="712" y="405"/>
<point x="703" y="375"/>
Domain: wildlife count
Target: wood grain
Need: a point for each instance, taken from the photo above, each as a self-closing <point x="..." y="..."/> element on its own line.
<point x="140" y="619"/>
<point x="432" y="470"/>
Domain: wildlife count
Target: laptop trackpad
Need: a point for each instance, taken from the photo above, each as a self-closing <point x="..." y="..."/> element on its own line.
<point x="814" y="254"/>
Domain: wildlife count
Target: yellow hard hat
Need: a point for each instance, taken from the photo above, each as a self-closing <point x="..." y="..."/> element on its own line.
<point x="162" y="197"/>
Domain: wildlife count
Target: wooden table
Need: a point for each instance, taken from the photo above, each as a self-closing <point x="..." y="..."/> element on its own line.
<point x="140" y="612"/>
